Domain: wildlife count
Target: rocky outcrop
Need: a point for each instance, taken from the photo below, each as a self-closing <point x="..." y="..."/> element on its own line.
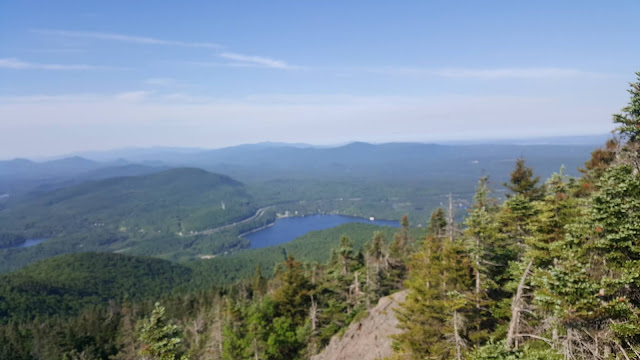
<point x="367" y="339"/>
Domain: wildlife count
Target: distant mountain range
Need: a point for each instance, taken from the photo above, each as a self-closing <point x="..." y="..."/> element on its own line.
<point x="22" y="175"/>
<point x="554" y="140"/>
<point x="268" y="161"/>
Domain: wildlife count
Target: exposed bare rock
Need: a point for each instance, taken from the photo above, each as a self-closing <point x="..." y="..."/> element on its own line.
<point x="367" y="339"/>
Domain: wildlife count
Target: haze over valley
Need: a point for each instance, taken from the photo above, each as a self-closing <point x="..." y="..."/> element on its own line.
<point x="163" y="202"/>
<point x="277" y="180"/>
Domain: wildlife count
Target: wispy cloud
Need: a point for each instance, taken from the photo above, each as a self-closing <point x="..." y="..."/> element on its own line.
<point x="486" y="74"/>
<point x="162" y="81"/>
<point x="510" y="73"/>
<point x="132" y="95"/>
<point x="241" y="60"/>
<point x="16" y="64"/>
<point x="126" y="38"/>
<point x="50" y="51"/>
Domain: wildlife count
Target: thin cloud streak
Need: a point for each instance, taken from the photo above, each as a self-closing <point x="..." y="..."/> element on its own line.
<point x="127" y="38"/>
<point x="159" y="81"/>
<point x="255" y="61"/>
<point x="50" y="51"/>
<point x="486" y="74"/>
<point x="16" y="64"/>
<point x="526" y="73"/>
<point x="133" y="96"/>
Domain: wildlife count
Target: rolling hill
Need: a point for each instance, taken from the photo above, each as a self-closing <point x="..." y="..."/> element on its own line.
<point x="146" y="214"/>
<point x="65" y="284"/>
<point x="20" y="176"/>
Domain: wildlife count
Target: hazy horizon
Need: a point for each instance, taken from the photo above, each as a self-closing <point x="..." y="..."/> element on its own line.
<point x="85" y="76"/>
<point x="114" y="153"/>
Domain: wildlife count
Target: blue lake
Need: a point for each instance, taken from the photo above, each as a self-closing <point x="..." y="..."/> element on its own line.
<point x="30" y="242"/>
<point x="287" y="229"/>
<point x="27" y="243"/>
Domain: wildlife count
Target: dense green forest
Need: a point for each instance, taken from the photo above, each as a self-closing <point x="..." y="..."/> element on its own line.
<point x="120" y="328"/>
<point x="68" y="284"/>
<point x="549" y="272"/>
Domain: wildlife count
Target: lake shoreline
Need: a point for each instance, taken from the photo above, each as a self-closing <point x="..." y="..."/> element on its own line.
<point x="287" y="228"/>
<point x="27" y="243"/>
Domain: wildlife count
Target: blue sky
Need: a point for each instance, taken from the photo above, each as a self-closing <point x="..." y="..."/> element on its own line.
<point x="81" y="75"/>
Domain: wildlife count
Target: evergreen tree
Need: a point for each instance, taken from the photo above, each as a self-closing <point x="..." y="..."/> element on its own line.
<point x="593" y="284"/>
<point x="557" y="209"/>
<point x="374" y="267"/>
<point x="292" y="297"/>
<point x="629" y="118"/>
<point x="522" y="182"/>
<point x="432" y="317"/>
<point x="259" y="326"/>
<point x="234" y="331"/>
<point x="162" y="341"/>
<point x="437" y="223"/>
<point x="345" y="252"/>
<point x="616" y="244"/>
<point x="396" y="261"/>
<point x="401" y="240"/>
<point x="593" y="169"/>
<point x="258" y="283"/>
<point x="290" y="327"/>
<point x="481" y="243"/>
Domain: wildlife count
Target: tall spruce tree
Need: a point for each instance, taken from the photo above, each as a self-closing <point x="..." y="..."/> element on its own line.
<point x="374" y="267"/>
<point x="162" y="341"/>
<point x="433" y="316"/>
<point x="481" y="243"/>
<point x="629" y="118"/>
<point x="437" y="223"/>
<point x="522" y="182"/>
<point x="401" y="240"/>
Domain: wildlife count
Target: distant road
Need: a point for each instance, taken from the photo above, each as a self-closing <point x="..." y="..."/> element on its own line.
<point x="258" y="213"/>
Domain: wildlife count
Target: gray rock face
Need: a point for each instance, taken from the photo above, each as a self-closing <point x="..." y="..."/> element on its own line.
<point x="367" y="339"/>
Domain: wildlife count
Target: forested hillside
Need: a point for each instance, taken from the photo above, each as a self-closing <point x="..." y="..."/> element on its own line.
<point x="66" y="284"/>
<point x="148" y="215"/>
<point x="20" y="176"/>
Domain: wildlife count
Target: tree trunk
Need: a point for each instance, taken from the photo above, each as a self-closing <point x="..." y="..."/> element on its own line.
<point x="444" y="282"/>
<point x="477" y="273"/>
<point x="255" y="349"/>
<point x="428" y="261"/>
<point x="512" y="334"/>
<point x="313" y="275"/>
<point x="450" y="217"/>
<point x="368" y="299"/>
<point x="457" y="337"/>
<point x="313" y="314"/>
